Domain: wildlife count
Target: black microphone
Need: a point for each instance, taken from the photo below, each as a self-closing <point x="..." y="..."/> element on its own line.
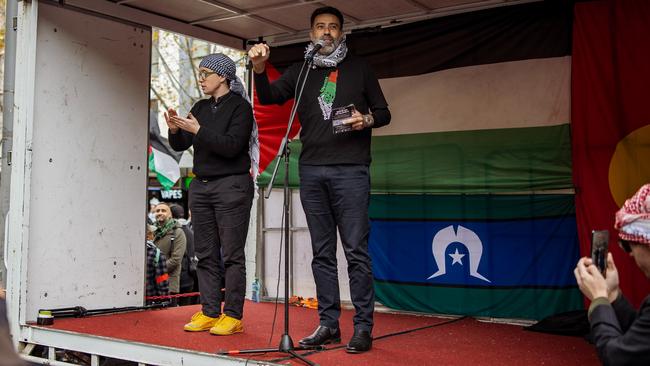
<point x="317" y="46"/>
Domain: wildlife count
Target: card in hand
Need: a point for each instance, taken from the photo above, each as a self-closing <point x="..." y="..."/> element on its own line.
<point x="339" y="116"/>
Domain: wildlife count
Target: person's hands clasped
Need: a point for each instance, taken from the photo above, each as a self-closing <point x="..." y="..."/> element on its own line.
<point x="189" y="124"/>
<point x="258" y="54"/>
<point x="590" y="281"/>
<point x="171" y="112"/>
<point x="360" y="121"/>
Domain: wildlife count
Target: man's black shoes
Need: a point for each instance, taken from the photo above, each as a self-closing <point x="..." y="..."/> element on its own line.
<point x="322" y="335"/>
<point x="360" y="342"/>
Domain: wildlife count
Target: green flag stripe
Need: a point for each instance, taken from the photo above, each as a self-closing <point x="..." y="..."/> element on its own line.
<point x="483" y="161"/>
<point x="470" y="207"/>
<point x="520" y="303"/>
<point x="165" y="182"/>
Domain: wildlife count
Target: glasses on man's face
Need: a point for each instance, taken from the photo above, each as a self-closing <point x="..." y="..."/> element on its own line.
<point x="203" y="74"/>
<point x="625" y="245"/>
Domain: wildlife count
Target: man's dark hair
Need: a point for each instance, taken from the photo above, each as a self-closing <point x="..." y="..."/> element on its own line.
<point x="327" y="10"/>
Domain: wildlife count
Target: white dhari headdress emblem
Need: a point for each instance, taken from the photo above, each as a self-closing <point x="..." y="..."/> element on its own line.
<point x="465" y="236"/>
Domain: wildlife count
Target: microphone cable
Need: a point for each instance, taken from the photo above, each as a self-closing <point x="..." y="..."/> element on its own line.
<point x="325" y="349"/>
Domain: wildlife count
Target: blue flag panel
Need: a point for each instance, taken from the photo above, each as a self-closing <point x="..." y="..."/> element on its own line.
<point x="539" y="253"/>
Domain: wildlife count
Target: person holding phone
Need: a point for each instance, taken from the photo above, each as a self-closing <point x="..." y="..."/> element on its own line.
<point x="226" y="151"/>
<point x="621" y="334"/>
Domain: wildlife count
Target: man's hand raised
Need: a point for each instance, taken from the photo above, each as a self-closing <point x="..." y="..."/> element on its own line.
<point x="258" y="54"/>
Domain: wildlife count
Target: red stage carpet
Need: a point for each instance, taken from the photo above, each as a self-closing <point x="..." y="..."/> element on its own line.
<point x="462" y="342"/>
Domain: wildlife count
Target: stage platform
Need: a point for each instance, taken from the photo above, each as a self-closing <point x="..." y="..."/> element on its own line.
<point x="439" y="341"/>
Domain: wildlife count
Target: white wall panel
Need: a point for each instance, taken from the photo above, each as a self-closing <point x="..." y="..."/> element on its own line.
<point x="88" y="187"/>
<point x="271" y="257"/>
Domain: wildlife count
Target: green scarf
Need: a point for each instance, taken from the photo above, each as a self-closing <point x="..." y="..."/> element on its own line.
<point x="161" y="231"/>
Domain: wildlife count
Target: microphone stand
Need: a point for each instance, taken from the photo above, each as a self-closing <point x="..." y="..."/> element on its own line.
<point x="80" y="311"/>
<point x="286" y="343"/>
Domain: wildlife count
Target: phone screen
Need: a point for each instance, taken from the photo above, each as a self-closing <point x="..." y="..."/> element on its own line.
<point x="599" y="242"/>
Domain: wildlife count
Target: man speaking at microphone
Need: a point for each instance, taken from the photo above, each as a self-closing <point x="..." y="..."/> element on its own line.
<point x="334" y="166"/>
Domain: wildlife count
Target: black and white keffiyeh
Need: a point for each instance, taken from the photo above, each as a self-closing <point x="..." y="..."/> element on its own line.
<point x="224" y="66"/>
<point x="331" y="60"/>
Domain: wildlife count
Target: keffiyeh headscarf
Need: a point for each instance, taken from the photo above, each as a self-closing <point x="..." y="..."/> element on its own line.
<point x="224" y="66"/>
<point x="331" y="60"/>
<point x="633" y="219"/>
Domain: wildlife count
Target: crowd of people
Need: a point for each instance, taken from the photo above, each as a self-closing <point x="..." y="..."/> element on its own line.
<point x="171" y="259"/>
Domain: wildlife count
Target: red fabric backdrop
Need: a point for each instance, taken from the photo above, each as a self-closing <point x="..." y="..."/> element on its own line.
<point x="611" y="120"/>
<point x="272" y="123"/>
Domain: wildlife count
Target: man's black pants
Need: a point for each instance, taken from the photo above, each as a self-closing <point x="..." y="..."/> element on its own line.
<point x="338" y="196"/>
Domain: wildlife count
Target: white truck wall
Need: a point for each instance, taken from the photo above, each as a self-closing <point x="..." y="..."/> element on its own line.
<point x="87" y="201"/>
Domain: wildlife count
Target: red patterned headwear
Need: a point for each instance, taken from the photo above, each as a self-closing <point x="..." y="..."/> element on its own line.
<point x="633" y="219"/>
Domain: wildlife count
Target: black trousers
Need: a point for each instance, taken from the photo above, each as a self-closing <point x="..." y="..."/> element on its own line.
<point x="220" y="215"/>
<point x="337" y="196"/>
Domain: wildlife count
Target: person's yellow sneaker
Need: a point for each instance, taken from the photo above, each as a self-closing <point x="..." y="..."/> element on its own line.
<point x="227" y="325"/>
<point x="200" y="322"/>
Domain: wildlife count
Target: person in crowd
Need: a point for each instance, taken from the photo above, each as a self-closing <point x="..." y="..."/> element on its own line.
<point x="621" y="333"/>
<point x="189" y="281"/>
<point x="333" y="167"/>
<point x="170" y="238"/>
<point x="157" y="277"/>
<point x="151" y="216"/>
<point x="226" y="151"/>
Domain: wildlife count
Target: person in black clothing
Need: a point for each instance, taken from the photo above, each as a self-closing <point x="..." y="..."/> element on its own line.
<point x="620" y="332"/>
<point x="334" y="168"/>
<point x="221" y="129"/>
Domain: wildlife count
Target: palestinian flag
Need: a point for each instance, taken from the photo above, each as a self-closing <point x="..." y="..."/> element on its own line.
<point x="472" y="210"/>
<point x="611" y="120"/>
<point x="272" y="122"/>
<point x="163" y="160"/>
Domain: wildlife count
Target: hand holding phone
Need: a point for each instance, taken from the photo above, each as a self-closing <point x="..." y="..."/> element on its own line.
<point x="599" y="244"/>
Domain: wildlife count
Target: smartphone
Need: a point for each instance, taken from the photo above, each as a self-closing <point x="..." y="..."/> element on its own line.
<point x="599" y="243"/>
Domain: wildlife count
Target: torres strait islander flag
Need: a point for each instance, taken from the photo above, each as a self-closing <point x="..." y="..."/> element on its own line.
<point x="472" y="208"/>
<point x="611" y="121"/>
